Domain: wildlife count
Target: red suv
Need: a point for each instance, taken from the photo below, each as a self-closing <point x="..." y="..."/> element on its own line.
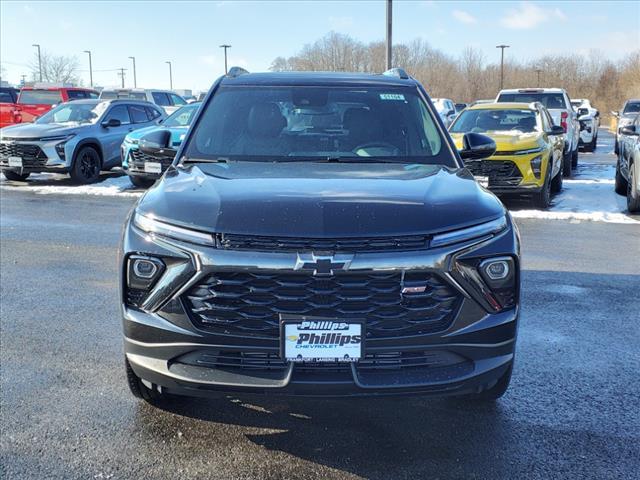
<point x="36" y="101"/>
<point x="9" y="113"/>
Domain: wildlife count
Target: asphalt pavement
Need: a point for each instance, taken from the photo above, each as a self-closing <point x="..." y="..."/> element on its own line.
<point x="573" y="409"/>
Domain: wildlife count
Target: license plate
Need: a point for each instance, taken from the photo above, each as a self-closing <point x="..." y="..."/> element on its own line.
<point x="322" y="340"/>
<point x="152" y="167"/>
<point x="15" y="161"/>
<point x="484" y="181"/>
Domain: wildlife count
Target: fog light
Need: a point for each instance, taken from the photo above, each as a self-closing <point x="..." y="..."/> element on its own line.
<point x="536" y="166"/>
<point x="497" y="270"/>
<point x="143" y="271"/>
<point x="60" y="149"/>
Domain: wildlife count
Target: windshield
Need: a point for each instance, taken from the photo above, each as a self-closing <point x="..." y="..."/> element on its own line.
<point x="481" y="121"/>
<point x="74" y="112"/>
<point x="40" y="97"/>
<point x="632" y="107"/>
<point x="296" y="123"/>
<point x="181" y="117"/>
<point x="549" y="100"/>
<point x="111" y="95"/>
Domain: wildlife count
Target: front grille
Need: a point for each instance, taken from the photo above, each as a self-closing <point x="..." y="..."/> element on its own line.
<point x="137" y="160"/>
<point x="352" y="245"/>
<point x="373" y="362"/>
<point x="501" y="173"/>
<point x="32" y="155"/>
<point x="250" y="303"/>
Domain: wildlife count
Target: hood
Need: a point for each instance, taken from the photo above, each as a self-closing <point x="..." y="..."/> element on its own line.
<point x="177" y="133"/>
<point x="320" y="200"/>
<point x="39" y="130"/>
<point x="507" y="142"/>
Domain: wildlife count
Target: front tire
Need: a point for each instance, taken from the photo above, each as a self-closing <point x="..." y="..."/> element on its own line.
<point x="542" y="199"/>
<point x="633" y="195"/>
<point x="620" y="182"/>
<point x="566" y="164"/>
<point x="141" y="182"/>
<point x="15" y="176"/>
<point x="556" y="183"/>
<point x="139" y="389"/>
<point x="86" y="166"/>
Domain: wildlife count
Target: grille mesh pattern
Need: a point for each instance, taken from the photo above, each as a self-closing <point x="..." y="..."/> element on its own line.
<point x="501" y="173"/>
<point x="32" y="155"/>
<point x="137" y="159"/>
<point x="250" y="303"/>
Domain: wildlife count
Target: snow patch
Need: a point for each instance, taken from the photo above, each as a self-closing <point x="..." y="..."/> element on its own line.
<point x="45" y="184"/>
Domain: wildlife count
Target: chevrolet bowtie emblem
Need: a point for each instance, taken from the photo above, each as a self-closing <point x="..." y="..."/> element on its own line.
<point x="322" y="264"/>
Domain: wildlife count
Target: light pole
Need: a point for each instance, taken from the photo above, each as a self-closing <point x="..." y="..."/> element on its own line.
<point x="90" y="68"/>
<point x="170" y="76"/>
<point x="538" y="70"/>
<point x="389" y="28"/>
<point x="121" y="75"/>
<point x="225" y="56"/>
<point x="502" y="47"/>
<point x="135" y="81"/>
<point x="39" y="59"/>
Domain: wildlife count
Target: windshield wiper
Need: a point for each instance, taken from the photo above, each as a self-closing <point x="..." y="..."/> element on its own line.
<point x="355" y="159"/>
<point x="203" y="160"/>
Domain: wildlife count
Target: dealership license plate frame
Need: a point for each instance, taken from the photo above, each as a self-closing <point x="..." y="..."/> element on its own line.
<point x="286" y="319"/>
<point x="152" y="167"/>
<point x="15" y="162"/>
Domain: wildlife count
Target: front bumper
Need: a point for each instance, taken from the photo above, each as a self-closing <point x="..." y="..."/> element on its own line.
<point x="135" y="167"/>
<point x="166" y="349"/>
<point x="37" y="156"/>
<point x="515" y="177"/>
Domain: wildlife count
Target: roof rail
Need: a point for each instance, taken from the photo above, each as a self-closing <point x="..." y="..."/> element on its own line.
<point x="236" y="72"/>
<point x="397" y="72"/>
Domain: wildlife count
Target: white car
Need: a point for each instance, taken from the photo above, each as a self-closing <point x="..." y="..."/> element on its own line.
<point x="558" y="103"/>
<point x="165" y="99"/>
<point x="589" y="118"/>
<point x="446" y="109"/>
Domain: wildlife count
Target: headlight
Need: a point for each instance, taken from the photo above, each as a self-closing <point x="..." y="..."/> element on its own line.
<point x="528" y="151"/>
<point x="464" y="234"/>
<point x="132" y="141"/>
<point x="624" y="121"/>
<point x="163" y="229"/>
<point x="55" y="138"/>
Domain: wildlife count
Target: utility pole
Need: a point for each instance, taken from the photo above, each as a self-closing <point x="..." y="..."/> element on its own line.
<point x="538" y="70"/>
<point x="225" y="46"/>
<point x="24" y="80"/>
<point x="90" y="68"/>
<point x="121" y="74"/>
<point x="170" y="76"/>
<point x="39" y="59"/>
<point x="502" y="47"/>
<point x="389" y="29"/>
<point x="135" y="81"/>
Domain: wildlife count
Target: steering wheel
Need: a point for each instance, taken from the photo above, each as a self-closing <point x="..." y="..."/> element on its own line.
<point x="375" y="144"/>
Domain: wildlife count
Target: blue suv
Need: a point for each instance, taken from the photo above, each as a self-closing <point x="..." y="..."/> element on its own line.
<point x="80" y="138"/>
<point x="144" y="169"/>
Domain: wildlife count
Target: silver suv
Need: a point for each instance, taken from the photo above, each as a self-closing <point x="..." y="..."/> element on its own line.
<point x="167" y="100"/>
<point x="558" y="103"/>
<point x="81" y="138"/>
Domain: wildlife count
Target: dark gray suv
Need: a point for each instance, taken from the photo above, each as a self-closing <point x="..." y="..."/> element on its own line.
<point x="81" y="138"/>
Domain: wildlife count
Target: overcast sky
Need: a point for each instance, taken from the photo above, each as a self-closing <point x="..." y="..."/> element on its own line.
<point x="189" y="33"/>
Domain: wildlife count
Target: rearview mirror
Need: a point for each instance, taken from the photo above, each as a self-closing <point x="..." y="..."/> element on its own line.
<point x="476" y="146"/>
<point x="157" y="144"/>
<point x="112" y="122"/>
<point x="556" y="130"/>
<point x="629" y="130"/>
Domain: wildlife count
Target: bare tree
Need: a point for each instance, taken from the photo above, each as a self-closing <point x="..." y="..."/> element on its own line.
<point x="469" y="77"/>
<point x="55" y="68"/>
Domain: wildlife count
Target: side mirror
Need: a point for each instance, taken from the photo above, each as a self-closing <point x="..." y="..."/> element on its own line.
<point x="476" y="146"/>
<point x="615" y="113"/>
<point x="629" y="130"/>
<point x="112" y="122"/>
<point x="583" y="111"/>
<point x="451" y="112"/>
<point x="556" y="130"/>
<point x="157" y="144"/>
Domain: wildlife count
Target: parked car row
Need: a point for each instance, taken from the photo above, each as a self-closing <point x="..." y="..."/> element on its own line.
<point x="627" y="181"/>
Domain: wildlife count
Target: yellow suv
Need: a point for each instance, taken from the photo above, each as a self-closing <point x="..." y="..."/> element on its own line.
<point x="528" y="158"/>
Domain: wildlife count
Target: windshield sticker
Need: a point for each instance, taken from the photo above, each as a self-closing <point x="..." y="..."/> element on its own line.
<point x="392" y="96"/>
